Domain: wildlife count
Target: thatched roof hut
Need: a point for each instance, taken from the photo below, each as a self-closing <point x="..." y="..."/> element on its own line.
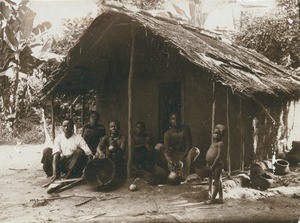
<point x="243" y="70"/>
<point x="141" y="67"/>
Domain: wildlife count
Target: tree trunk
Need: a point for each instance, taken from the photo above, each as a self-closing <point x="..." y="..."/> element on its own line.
<point x="15" y="92"/>
<point x="242" y="159"/>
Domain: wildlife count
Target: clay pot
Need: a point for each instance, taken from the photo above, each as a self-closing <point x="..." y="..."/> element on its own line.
<point x="262" y="182"/>
<point x="256" y="170"/>
<point x="281" y="167"/>
<point x="174" y="178"/>
<point x="293" y="156"/>
<point x="296" y="146"/>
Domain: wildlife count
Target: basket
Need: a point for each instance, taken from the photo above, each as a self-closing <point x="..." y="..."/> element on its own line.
<point x="100" y="173"/>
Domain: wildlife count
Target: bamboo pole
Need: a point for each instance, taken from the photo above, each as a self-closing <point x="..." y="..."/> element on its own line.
<point x="52" y="117"/>
<point x="228" y="134"/>
<point x="130" y="77"/>
<point x="242" y="138"/>
<point x="213" y="112"/>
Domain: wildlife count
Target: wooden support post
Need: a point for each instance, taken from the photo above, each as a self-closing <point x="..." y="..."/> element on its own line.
<point x="213" y="111"/>
<point x="228" y="133"/>
<point x="299" y="8"/>
<point x="83" y="110"/>
<point x="242" y="158"/>
<point x="130" y="77"/>
<point x="52" y="118"/>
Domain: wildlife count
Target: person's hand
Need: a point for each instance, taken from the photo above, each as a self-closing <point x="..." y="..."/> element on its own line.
<point x="180" y="164"/>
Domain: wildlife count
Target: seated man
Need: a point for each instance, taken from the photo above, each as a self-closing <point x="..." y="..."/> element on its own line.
<point x="142" y="153"/>
<point x="93" y="131"/>
<point x="68" y="154"/>
<point x="113" y="147"/>
<point x="178" y="150"/>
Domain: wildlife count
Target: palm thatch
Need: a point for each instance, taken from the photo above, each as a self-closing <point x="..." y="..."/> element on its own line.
<point x="243" y="70"/>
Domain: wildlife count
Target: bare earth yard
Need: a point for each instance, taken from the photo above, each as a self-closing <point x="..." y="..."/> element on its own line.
<point x="24" y="200"/>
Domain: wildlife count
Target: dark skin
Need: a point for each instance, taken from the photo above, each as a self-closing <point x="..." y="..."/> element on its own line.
<point x="94" y="118"/>
<point x="140" y="132"/>
<point x="176" y="136"/>
<point x="93" y="131"/>
<point x="68" y="129"/>
<point x="142" y="150"/>
<point x="114" y="132"/>
<point x="213" y="158"/>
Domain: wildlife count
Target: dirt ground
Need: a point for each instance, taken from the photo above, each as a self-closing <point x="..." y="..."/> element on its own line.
<point x="23" y="199"/>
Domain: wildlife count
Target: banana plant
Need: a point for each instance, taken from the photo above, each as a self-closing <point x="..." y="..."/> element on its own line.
<point x="18" y="38"/>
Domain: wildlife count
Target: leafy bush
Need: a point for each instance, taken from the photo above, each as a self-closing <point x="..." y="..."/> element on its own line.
<point x="6" y="135"/>
<point x="24" y="131"/>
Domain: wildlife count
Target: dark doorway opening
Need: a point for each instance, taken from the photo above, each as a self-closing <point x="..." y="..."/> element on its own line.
<point x="169" y="101"/>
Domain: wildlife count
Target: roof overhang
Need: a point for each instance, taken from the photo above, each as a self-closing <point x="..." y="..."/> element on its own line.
<point x="243" y="70"/>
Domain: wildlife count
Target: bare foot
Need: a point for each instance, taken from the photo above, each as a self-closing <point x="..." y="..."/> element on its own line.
<point x="212" y="201"/>
<point x="220" y="201"/>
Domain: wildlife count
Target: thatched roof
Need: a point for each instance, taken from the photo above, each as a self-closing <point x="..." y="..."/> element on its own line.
<point x="241" y="69"/>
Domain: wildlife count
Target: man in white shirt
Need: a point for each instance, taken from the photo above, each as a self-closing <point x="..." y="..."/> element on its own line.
<point x="69" y="155"/>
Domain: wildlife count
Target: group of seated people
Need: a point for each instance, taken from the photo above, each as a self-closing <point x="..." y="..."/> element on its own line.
<point x="71" y="151"/>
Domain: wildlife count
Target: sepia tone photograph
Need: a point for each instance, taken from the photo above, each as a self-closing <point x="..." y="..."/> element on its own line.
<point x="150" y="111"/>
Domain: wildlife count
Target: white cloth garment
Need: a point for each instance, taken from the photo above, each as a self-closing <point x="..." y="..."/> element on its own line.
<point x="68" y="146"/>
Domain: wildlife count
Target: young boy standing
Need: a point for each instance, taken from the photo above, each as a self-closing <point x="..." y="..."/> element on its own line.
<point x="214" y="158"/>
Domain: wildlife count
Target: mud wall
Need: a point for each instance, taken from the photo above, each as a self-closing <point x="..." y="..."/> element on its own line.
<point x="156" y="62"/>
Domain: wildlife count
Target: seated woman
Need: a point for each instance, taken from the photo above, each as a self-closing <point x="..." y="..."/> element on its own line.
<point x="113" y="146"/>
<point x="93" y="131"/>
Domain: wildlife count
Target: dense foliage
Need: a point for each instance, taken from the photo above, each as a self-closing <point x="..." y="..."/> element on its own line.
<point x="20" y="79"/>
<point x="276" y="35"/>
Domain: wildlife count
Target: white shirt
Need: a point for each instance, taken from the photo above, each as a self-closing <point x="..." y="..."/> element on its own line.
<point x="68" y="146"/>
